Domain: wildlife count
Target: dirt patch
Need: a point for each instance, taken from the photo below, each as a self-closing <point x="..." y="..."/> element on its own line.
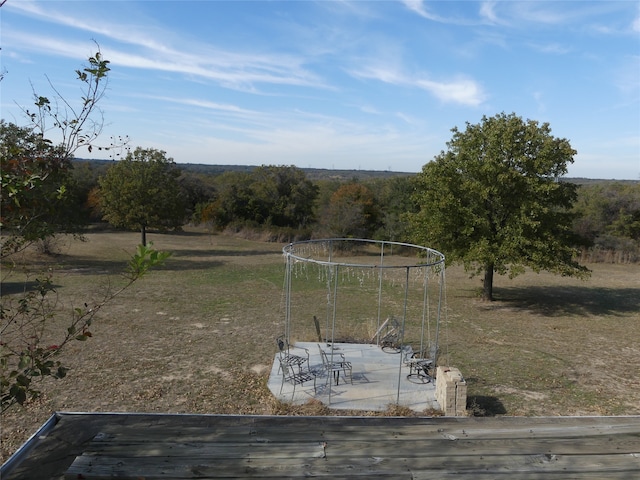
<point x="527" y="395"/>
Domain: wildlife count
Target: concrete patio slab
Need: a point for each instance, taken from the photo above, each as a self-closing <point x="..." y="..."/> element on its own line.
<point x="379" y="380"/>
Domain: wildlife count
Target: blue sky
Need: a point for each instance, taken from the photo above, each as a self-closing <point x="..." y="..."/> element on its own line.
<point x="373" y="85"/>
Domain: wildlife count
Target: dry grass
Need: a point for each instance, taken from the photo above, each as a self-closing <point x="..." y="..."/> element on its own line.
<point x="197" y="336"/>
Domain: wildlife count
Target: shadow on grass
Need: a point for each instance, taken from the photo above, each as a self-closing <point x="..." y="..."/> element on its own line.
<point x="177" y="253"/>
<point x="180" y="260"/>
<point x="485" y="406"/>
<point x="115" y="267"/>
<point x="571" y="300"/>
<point x="16" y="288"/>
<point x="107" y="229"/>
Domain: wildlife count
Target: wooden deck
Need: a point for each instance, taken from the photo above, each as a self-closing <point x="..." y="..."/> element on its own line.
<point x="134" y="446"/>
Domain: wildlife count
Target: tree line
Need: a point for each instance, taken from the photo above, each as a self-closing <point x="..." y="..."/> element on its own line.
<point x="148" y="190"/>
<point x="284" y="204"/>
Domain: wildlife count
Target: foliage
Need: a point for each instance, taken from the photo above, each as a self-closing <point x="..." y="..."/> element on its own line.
<point x="494" y="201"/>
<point x="608" y="215"/>
<point x="39" y="200"/>
<point x="284" y="197"/>
<point x="195" y="190"/>
<point x="37" y="187"/>
<point x="609" y="208"/>
<point x="393" y="196"/>
<point x="352" y="211"/>
<point x="27" y="352"/>
<point x="142" y="191"/>
<point x="272" y="196"/>
<point x="234" y="202"/>
<point x="85" y="176"/>
<point x="75" y="125"/>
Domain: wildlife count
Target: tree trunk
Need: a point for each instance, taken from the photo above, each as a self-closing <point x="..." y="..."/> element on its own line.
<point x="487" y="284"/>
<point x="143" y="232"/>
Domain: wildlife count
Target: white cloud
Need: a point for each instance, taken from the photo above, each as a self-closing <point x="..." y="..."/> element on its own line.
<point x="382" y="74"/>
<point x="409" y="119"/>
<point x="205" y="104"/>
<point x="459" y="90"/>
<point x="51" y="45"/>
<point x="462" y="91"/>
<point x="418" y="6"/>
<point x="322" y="146"/>
<point x="547" y="13"/>
<point x="487" y="11"/>
<point x="236" y="70"/>
<point x="370" y="109"/>
<point x="539" y="99"/>
<point x="232" y="70"/>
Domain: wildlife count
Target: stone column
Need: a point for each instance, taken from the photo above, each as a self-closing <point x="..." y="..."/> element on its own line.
<point x="451" y="391"/>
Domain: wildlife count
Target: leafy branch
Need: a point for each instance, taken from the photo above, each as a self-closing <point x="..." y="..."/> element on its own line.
<point x="25" y="356"/>
<point x="76" y="125"/>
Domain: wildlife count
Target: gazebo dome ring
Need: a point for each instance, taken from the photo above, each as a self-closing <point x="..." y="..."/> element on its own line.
<point x="327" y="251"/>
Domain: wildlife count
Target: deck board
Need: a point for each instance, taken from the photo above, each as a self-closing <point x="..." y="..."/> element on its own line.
<point x="136" y="446"/>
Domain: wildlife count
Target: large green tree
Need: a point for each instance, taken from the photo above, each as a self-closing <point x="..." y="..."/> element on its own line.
<point x="142" y="192"/>
<point x="494" y="200"/>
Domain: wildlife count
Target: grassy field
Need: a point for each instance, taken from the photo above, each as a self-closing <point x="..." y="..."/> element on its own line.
<point x="197" y="335"/>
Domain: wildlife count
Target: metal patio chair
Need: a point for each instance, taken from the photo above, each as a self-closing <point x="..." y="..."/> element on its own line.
<point x="334" y="364"/>
<point x="296" y="377"/>
<point x="391" y="341"/>
<point x="289" y="358"/>
<point x="421" y="367"/>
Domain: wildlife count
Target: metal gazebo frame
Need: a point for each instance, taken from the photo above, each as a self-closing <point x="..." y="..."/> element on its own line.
<point x="326" y="254"/>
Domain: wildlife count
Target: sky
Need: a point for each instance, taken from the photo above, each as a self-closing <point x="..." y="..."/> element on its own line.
<point x="353" y="85"/>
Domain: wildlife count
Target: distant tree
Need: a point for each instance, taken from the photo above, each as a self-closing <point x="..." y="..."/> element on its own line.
<point x="234" y="203"/>
<point x="269" y="196"/>
<point x="283" y="195"/>
<point x="86" y="174"/>
<point x="627" y="224"/>
<point x="608" y="216"/>
<point x="142" y="192"/>
<point x="195" y="190"/>
<point x="494" y="200"/>
<point x="608" y="208"/>
<point x="326" y="188"/>
<point x="352" y="212"/>
<point x="394" y="196"/>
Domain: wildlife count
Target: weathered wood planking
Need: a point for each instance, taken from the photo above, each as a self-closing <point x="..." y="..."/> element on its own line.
<point x="135" y="446"/>
<point x="366" y="448"/>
